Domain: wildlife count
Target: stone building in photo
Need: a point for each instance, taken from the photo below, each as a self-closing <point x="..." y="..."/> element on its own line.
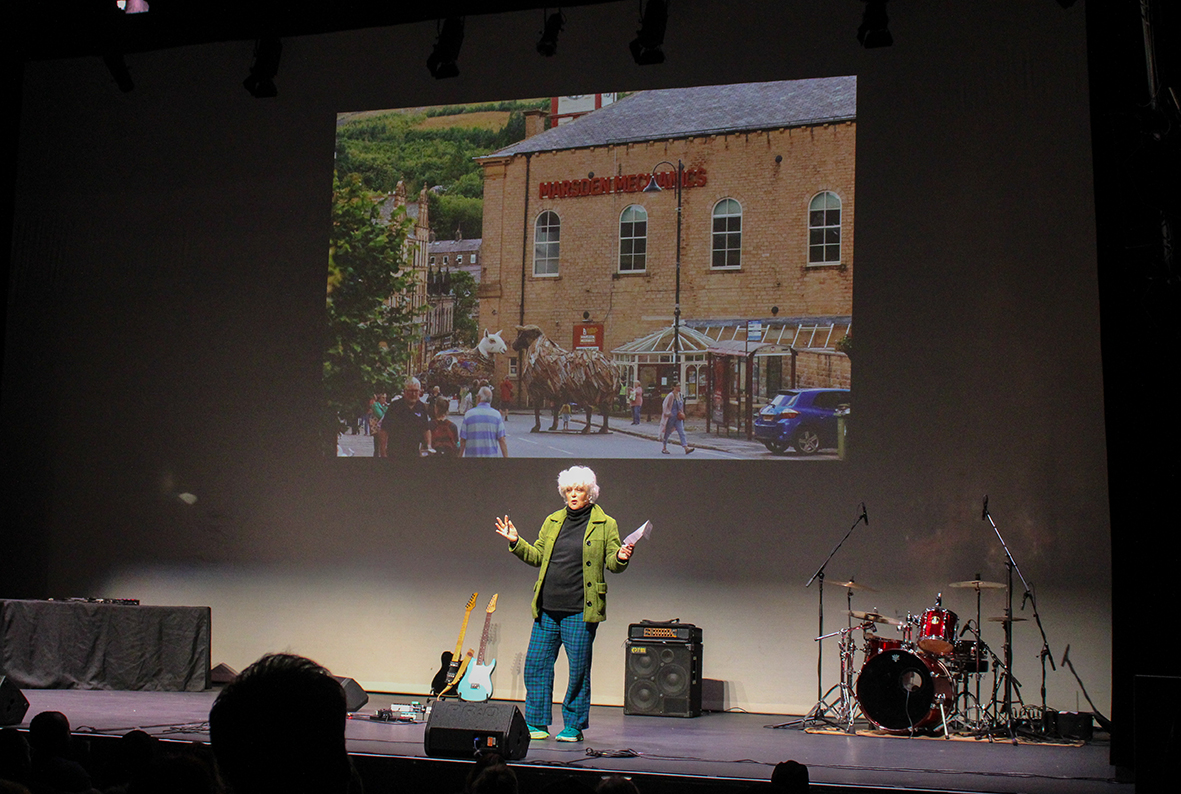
<point x="574" y="243"/>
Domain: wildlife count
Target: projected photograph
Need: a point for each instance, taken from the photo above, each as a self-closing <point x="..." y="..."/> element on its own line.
<point x="653" y="274"/>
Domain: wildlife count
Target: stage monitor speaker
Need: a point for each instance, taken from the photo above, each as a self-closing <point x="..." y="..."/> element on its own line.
<point x="13" y="703"/>
<point x="354" y="696"/>
<point x="662" y="679"/>
<point x="458" y="729"/>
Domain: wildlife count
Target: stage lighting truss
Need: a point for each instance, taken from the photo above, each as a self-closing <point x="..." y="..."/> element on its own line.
<point x="547" y="45"/>
<point x="442" y="60"/>
<point x="874" y="30"/>
<point x="646" y="47"/>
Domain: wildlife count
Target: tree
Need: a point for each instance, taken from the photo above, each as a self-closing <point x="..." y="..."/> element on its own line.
<point x="369" y="329"/>
<point x="467" y="308"/>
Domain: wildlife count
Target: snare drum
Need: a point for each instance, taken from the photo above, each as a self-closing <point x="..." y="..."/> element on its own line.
<point x="937" y="631"/>
<point x="875" y="645"/>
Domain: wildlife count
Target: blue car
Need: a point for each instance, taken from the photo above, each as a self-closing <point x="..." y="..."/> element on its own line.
<point x="802" y="418"/>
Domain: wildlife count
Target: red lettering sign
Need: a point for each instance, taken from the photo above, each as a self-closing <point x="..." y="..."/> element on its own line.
<point x="588" y="335"/>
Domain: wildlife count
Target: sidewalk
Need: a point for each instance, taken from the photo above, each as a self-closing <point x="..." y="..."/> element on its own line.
<point x="695" y="433"/>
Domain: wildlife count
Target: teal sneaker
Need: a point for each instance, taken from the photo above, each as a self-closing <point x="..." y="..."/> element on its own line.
<point x="537" y="731"/>
<point x="570" y="735"/>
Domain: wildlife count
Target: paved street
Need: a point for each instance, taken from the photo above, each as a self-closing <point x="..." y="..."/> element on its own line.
<point x="624" y="441"/>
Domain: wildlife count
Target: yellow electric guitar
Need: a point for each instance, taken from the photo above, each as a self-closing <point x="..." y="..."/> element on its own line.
<point x="476" y="684"/>
<point x="454" y="666"/>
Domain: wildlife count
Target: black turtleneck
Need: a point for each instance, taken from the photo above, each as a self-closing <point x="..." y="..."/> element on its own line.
<point x="562" y="589"/>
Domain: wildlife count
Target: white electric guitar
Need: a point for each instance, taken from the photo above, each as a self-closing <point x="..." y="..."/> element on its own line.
<point x="476" y="685"/>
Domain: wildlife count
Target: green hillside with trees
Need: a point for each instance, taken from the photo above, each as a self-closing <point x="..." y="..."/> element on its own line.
<point x="435" y="146"/>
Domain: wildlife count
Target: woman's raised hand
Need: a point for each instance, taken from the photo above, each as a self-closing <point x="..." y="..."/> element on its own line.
<point x="506" y="530"/>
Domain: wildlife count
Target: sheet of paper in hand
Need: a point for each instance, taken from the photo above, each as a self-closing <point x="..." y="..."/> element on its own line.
<point x="645" y="531"/>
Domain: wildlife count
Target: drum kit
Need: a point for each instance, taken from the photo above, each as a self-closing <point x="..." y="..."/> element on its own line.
<point x="928" y="678"/>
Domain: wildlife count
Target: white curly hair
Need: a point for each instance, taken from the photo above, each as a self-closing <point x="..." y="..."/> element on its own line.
<point x="578" y="475"/>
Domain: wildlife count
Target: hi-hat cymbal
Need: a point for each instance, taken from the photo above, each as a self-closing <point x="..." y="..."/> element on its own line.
<point x="1005" y="619"/>
<point x="874" y="617"/>
<point x="979" y="584"/>
<point x="855" y="586"/>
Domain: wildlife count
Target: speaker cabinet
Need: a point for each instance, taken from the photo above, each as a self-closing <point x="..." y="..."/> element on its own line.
<point x="458" y="729"/>
<point x="663" y="679"/>
<point x="355" y="697"/>
<point x="13" y="703"/>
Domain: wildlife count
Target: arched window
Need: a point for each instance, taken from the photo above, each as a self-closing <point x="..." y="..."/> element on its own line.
<point x="633" y="239"/>
<point x="727" y="234"/>
<point x="546" y="244"/>
<point x="824" y="229"/>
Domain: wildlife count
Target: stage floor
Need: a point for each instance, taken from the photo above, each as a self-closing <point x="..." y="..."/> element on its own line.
<point x="719" y="746"/>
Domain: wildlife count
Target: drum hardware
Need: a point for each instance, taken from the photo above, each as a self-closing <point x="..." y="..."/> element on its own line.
<point x="1005" y="619"/>
<point x="818" y="711"/>
<point x="1028" y="595"/>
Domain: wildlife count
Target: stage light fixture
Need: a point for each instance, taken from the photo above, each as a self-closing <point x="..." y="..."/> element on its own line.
<point x="875" y="25"/>
<point x="646" y="46"/>
<point x="441" y="62"/>
<point x="261" y="80"/>
<point x="554" y="23"/>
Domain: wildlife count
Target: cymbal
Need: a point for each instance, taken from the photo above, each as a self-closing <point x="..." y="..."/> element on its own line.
<point x="978" y="584"/>
<point x="1004" y="619"/>
<point x="874" y="617"/>
<point x="855" y="586"/>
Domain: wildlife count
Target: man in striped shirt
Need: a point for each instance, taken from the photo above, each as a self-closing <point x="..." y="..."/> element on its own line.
<point x="482" y="433"/>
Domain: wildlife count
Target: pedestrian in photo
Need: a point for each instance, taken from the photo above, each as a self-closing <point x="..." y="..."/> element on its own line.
<point x="636" y="400"/>
<point x="572" y="549"/>
<point x="564" y="415"/>
<point x="444" y="433"/>
<point x="506" y="397"/>
<point x="407" y="423"/>
<point x="482" y="433"/>
<point x="672" y="416"/>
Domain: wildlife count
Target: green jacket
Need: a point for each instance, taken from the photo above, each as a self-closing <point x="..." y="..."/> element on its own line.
<point x="600" y="549"/>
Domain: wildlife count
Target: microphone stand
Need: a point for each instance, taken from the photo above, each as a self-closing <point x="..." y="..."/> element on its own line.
<point x="820" y="706"/>
<point x="1045" y="653"/>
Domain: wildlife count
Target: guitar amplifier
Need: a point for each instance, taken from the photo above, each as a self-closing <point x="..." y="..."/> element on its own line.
<point x="666" y="631"/>
<point x="662" y="675"/>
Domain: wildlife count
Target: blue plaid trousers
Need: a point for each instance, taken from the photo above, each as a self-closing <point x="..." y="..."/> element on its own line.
<point x="551" y="632"/>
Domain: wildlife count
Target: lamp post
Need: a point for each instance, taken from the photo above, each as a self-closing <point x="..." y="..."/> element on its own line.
<point x="654" y="187"/>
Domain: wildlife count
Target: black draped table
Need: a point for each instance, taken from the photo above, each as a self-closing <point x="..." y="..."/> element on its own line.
<point x="88" y="645"/>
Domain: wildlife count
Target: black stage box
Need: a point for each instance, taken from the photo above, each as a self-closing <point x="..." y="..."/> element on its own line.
<point x="13" y="703"/>
<point x="355" y="697"/>
<point x="663" y="670"/>
<point x="458" y="729"/>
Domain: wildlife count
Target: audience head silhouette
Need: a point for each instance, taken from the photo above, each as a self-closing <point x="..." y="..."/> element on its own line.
<point x="279" y="727"/>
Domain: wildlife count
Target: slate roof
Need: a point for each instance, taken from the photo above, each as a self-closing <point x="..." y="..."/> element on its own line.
<point x="456" y="246"/>
<point x="702" y="110"/>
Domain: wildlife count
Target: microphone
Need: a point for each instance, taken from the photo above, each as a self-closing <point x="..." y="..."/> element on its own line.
<point x="864" y="515"/>
<point x="1065" y="655"/>
<point x="967" y="627"/>
<point x="984" y="512"/>
<point x="1024" y="598"/>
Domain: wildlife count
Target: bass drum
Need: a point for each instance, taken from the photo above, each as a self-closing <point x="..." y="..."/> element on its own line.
<point x="899" y="691"/>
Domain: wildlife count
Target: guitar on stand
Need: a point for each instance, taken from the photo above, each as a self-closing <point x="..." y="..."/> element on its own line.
<point x="476" y="685"/>
<point x="454" y="666"/>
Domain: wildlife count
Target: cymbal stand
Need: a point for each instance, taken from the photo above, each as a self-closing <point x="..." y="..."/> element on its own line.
<point x="820" y="634"/>
<point x="1011" y="565"/>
